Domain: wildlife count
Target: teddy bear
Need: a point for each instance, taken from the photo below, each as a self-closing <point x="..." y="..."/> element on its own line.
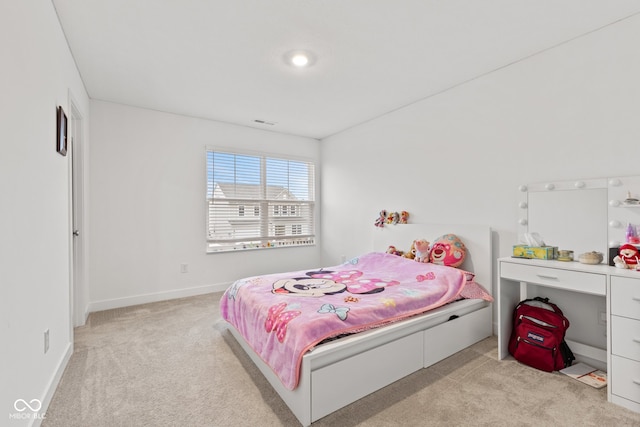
<point x="628" y="257"/>
<point x="411" y="253"/>
<point x="422" y="250"/>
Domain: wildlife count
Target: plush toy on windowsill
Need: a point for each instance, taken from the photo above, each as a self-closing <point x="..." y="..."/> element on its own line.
<point x="628" y="257"/>
<point x="422" y="250"/>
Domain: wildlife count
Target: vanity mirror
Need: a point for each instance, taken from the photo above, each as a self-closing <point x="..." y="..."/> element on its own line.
<point x="571" y="215"/>
<point x="582" y="215"/>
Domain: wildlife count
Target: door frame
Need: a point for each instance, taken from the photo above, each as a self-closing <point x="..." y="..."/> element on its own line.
<point x="78" y="245"/>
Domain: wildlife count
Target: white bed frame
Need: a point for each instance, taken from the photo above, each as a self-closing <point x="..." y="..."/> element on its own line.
<point x="363" y="363"/>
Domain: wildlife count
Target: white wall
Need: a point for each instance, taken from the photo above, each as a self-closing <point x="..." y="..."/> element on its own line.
<point x="458" y="157"/>
<point x="38" y="74"/>
<point x="148" y="189"/>
<point x="571" y="112"/>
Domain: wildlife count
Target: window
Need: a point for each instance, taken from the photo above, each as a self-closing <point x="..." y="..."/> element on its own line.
<point x="280" y="193"/>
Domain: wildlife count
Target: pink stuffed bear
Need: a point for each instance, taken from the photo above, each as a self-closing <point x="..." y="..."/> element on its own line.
<point x="448" y="250"/>
<point x="422" y="250"/>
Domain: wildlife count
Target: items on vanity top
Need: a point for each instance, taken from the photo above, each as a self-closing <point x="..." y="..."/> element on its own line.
<point x="565" y="255"/>
<point x="592" y="257"/>
<point x="534" y="248"/>
<point x="552" y="253"/>
<point x="535" y="252"/>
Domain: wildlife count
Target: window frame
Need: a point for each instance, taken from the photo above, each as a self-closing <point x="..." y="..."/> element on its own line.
<point x="269" y="212"/>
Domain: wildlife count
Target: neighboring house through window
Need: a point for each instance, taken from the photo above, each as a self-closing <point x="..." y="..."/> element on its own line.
<point x="258" y="201"/>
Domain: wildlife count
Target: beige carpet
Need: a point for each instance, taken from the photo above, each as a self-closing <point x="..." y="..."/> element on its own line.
<point x="173" y="364"/>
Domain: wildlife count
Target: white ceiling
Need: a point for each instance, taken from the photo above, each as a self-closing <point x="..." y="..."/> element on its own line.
<point x="223" y="59"/>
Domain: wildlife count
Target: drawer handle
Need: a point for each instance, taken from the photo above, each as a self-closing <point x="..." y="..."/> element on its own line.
<point x="545" y="276"/>
<point x="636" y="340"/>
<point x="636" y="382"/>
<point x="636" y="298"/>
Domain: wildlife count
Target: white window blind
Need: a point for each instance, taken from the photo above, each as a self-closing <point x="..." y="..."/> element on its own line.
<point x="258" y="201"/>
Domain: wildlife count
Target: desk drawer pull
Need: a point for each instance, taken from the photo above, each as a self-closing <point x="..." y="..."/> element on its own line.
<point x="546" y="276"/>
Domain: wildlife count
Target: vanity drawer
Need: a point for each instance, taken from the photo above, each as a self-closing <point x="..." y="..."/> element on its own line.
<point x="590" y="283"/>
<point x="625" y="337"/>
<point x="625" y="296"/>
<point x="625" y="380"/>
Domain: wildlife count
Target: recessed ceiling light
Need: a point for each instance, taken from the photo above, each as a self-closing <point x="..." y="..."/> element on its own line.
<point x="299" y="58"/>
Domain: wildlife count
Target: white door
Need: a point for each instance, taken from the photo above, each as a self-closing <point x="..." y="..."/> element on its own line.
<point x="77" y="286"/>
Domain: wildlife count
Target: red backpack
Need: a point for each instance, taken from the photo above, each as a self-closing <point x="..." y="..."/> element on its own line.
<point x="538" y="333"/>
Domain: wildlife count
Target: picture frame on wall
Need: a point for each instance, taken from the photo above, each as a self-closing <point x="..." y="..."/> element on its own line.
<point x="61" y="131"/>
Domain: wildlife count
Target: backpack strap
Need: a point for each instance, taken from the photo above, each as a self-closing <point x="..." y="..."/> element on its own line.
<point x="544" y="303"/>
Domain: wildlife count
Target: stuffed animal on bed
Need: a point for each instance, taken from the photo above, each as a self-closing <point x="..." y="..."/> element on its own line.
<point x="411" y="253"/>
<point x="422" y="250"/>
<point x="393" y="251"/>
<point x="448" y="250"/>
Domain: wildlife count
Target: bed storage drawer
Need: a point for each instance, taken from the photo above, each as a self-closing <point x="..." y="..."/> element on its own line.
<point x="468" y="330"/>
<point x="353" y="378"/>
<point x="591" y="283"/>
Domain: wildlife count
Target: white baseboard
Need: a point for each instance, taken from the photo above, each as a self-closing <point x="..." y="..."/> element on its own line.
<point x="53" y="385"/>
<point x="155" y="297"/>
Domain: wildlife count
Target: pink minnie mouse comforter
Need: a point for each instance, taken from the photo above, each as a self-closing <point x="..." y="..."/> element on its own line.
<point x="284" y="315"/>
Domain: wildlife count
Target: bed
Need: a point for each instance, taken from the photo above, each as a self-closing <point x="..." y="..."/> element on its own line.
<point x="381" y="352"/>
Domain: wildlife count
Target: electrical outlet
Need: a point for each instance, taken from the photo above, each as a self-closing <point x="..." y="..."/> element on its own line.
<point x="184" y="268"/>
<point x="46" y="341"/>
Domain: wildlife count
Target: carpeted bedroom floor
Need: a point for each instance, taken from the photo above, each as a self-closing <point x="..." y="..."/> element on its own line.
<point x="173" y="364"/>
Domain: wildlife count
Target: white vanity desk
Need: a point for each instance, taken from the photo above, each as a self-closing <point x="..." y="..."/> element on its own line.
<point x="519" y="279"/>
<point x="601" y="302"/>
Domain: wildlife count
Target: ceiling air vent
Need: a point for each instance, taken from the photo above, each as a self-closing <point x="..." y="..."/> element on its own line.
<point x="264" y="122"/>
